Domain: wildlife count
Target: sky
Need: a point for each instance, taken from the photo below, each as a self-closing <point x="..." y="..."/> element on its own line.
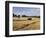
<point x="29" y="11"/>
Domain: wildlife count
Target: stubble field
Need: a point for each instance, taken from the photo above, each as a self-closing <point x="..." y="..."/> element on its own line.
<point x="24" y="24"/>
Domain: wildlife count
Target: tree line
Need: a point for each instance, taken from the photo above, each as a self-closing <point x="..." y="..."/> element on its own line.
<point x="25" y="16"/>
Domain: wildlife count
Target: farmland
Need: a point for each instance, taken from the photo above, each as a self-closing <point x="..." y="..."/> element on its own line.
<point x="24" y="24"/>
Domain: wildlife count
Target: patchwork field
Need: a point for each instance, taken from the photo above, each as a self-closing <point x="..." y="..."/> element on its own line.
<point x="24" y="24"/>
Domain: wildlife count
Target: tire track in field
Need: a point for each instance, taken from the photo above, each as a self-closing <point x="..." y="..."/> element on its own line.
<point x="25" y="26"/>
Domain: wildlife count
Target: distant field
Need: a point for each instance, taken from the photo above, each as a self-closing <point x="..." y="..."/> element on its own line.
<point x="24" y="24"/>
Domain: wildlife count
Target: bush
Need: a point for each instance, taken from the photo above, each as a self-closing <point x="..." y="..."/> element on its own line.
<point x="23" y="15"/>
<point x="18" y="16"/>
<point x="29" y="18"/>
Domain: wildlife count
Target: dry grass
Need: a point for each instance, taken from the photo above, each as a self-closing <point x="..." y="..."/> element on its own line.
<point x="24" y="24"/>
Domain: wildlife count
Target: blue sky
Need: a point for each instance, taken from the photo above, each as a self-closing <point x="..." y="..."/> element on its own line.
<point x="29" y="11"/>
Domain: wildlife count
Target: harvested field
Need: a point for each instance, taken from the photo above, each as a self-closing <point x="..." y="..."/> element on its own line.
<point x="24" y="24"/>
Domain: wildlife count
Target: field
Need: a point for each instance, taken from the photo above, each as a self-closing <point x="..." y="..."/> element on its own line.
<point x="24" y="24"/>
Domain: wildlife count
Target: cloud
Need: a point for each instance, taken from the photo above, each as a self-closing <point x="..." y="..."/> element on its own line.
<point x="29" y="11"/>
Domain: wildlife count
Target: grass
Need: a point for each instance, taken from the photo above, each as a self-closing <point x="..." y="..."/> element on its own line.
<point x="24" y="24"/>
